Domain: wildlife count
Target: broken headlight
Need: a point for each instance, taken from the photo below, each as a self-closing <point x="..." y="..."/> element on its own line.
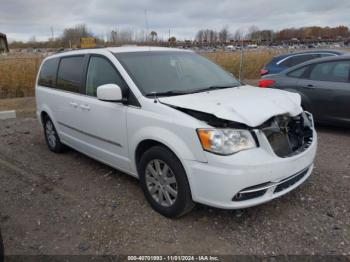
<point x="225" y="141"/>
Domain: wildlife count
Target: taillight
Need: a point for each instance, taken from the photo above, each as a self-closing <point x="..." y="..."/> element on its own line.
<point x="266" y="83"/>
<point x="264" y="72"/>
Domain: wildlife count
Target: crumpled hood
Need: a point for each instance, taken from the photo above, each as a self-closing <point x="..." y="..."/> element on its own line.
<point x="245" y="104"/>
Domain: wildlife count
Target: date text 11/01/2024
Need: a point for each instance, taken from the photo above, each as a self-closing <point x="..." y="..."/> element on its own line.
<point x="173" y="258"/>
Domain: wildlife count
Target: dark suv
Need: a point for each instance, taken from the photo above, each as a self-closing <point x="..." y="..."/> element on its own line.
<point x="282" y="62"/>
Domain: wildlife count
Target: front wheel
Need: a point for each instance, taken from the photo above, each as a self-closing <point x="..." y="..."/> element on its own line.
<point x="164" y="182"/>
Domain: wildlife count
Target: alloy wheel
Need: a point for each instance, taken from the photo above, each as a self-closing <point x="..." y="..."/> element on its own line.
<point x="161" y="182"/>
<point x="50" y="133"/>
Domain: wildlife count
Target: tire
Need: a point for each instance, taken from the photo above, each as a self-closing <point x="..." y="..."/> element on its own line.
<point x="51" y="136"/>
<point x="161" y="175"/>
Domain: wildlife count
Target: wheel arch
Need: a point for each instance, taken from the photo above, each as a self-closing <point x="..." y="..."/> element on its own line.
<point x="145" y="138"/>
<point x="43" y="114"/>
<point x="43" y="111"/>
<point x="145" y="145"/>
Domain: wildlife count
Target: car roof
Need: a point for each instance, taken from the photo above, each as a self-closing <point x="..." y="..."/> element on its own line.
<point x="317" y="60"/>
<point x="122" y="49"/>
<point x="338" y="52"/>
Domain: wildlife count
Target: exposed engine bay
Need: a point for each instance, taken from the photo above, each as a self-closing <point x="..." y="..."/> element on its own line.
<point x="287" y="135"/>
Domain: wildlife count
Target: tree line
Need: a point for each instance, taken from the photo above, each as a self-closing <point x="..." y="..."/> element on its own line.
<point x="313" y="33"/>
<point x="70" y="37"/>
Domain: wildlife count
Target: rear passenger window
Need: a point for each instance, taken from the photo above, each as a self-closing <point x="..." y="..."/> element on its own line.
<point x="337" y="71"/>
<point x="48" y="72"/>
<point x="341" y="72"/>
<point x="70" y="73"/>
<point x="101" y="72"/>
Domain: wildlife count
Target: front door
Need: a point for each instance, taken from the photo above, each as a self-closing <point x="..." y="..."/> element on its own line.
<point x="101" y="124"/>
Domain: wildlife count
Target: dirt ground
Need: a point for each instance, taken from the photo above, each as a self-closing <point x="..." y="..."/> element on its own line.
<point x="70" y="204"/>
<point x="24" y="106"/>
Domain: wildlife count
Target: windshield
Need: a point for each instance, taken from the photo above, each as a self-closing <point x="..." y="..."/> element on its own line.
<point x="171" y="73"/>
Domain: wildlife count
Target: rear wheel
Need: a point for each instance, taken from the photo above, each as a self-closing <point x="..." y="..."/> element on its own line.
<point x="164" y="182"/>
<point x="51" y="137"/>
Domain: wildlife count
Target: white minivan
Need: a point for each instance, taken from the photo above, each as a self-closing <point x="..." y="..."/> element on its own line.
<point x="180" y="123"/>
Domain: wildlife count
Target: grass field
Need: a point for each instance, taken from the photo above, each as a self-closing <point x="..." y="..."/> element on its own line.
<point x="18" y="74"/>
<point x="253" y="61"/>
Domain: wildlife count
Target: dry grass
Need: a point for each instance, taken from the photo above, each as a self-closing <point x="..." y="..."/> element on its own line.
<point x="17" y="76"/>
<point x="253" y="62"/>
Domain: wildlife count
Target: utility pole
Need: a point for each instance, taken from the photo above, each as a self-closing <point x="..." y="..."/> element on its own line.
<point x="241" y="62"/>
<point x="146" y="25"/>
<point x="52" y="36"/>
<point x="169" y="37"/>
<point x="52" y="33"/>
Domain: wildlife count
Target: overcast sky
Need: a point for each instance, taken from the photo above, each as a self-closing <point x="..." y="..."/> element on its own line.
<point x="22" y="19"/>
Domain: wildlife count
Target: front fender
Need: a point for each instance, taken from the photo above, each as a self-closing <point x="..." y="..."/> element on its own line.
<point x="170" y="139"/>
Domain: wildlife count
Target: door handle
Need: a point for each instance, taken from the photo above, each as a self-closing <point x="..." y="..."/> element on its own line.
<point x="85" y="107"/>
<point x="73" y="104"/>
<point x="309" y="86"/>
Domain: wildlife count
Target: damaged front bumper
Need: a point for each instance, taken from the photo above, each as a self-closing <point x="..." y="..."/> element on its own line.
<point x="250" y="177"/>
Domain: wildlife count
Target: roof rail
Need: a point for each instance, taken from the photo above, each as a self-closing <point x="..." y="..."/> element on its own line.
<point x="63" y="50"/>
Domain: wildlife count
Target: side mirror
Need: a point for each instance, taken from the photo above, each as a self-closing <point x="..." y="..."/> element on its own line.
<point x="109" y="92"/>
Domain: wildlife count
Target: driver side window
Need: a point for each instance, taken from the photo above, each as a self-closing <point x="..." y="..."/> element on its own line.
<point x="100" y="72"/>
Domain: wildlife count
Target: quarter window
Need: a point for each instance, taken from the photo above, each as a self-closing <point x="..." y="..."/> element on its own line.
<point x="101" y="72"/>
<point x="70" y="73"/>
<point x="48" y="72"/>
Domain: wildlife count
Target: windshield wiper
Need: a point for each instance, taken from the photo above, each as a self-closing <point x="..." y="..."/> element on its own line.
<point x="180" y="92"/>
<point x="215" y="87"/>
<point x="167" y="93"/>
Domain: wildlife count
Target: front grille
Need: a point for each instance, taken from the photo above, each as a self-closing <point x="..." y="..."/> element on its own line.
<point x="290" y="181"/>
<point x="260" y="189"/>
<point x="289" y="136"/>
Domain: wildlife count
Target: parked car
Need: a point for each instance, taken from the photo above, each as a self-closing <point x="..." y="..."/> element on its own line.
<point x="230" y="48"/>
<point x="282" y="62"/>
<point x="181" y="124"/>
<point x="324" y="86"/>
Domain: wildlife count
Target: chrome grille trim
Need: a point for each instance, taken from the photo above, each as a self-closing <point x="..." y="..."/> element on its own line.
<point x="261" y="189"/>
<point x="273" y="184"/>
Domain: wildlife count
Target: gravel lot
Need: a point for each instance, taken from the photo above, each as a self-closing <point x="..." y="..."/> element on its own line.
<point x="71" y="204"/>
